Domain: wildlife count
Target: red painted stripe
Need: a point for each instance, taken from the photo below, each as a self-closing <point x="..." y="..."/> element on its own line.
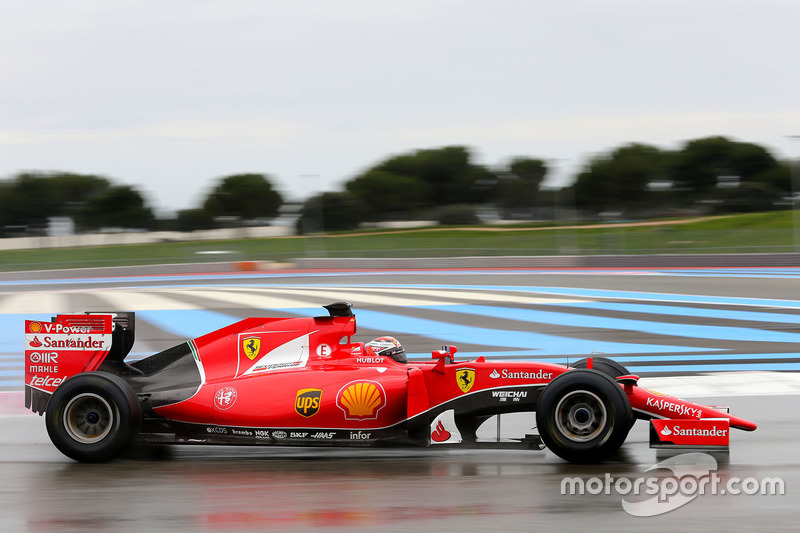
<point x="13" y="403"/>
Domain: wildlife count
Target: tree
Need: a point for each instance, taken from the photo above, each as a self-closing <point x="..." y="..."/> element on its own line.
<point x="246" y="196"/>
<point x="30" y="198"/>
<point x="779" y="177"/>
<point x="749" y="197"/>
<point x="330" y="211"/>
<point x="620" y="179"/>
<point x="119" y="207"/>
<point x="443" y="175"/>
<point x="383" y="195"/>
<point x="700" y="163"/>
<point x="518" y="187"/>
<point x="194" y="219"/>
<point x="527" y="169"/>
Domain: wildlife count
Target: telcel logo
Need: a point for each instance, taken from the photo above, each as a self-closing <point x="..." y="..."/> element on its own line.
<point x="46" y="381"/>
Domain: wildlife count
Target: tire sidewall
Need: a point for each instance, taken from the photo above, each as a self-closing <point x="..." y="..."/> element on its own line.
<point x="125" y="408"/>
<point x="618" y="416"/>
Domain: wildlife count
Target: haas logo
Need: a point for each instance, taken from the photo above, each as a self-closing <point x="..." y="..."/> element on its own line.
<point x="440" y="434"/>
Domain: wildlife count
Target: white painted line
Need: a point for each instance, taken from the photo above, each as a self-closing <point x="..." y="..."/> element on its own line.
<point x="327" y="296"/>
<point x="245" y="299"/>
<point x="726" y="384"/>
<point x="35" y="302"/>
<point x="458" y="294"/>
<point x="137" y="300"/>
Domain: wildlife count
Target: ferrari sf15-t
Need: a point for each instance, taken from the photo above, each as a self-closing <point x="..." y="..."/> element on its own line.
<point x="305" y="382"/>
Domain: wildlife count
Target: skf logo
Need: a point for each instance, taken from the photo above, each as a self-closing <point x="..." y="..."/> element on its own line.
<point x="307" y="402"/>
<point x="465" y="379"/>
<point x="361" y="400"/>
<point x="251" y="346"/>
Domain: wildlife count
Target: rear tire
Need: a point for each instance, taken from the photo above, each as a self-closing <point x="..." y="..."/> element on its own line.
<point x="93" y="417"/>
<point x="583" y="416"/>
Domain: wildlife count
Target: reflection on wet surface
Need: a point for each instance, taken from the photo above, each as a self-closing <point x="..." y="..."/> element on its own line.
<point x="275" y="489"/>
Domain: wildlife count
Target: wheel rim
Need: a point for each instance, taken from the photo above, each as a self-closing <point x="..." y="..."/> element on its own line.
<point x="88" y="418"/>
<point x="581" y="416"/>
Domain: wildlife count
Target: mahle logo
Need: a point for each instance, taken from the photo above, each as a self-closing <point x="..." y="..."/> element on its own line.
<point x="307" y="402"/>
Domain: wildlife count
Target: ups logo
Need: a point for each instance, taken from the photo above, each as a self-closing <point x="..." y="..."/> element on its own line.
<point x="307" y="402"/>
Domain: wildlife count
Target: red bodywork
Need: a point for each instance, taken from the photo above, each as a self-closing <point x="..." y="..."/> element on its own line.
<point x="304" y="378"/>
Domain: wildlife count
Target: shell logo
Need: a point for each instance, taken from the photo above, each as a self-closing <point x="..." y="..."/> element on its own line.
<point x="361" y="400"/>
<point x="35" y="327"/>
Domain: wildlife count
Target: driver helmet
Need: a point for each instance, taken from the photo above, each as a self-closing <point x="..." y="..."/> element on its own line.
<point x="386" y="347"/>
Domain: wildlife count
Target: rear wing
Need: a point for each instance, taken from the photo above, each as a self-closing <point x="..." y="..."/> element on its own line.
<point x="70" y="344"/>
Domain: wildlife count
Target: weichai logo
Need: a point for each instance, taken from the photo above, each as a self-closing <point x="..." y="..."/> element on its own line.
<point x="307" y="402"/>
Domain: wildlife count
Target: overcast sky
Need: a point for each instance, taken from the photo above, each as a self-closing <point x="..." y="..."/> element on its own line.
<point x="171" y="95"/>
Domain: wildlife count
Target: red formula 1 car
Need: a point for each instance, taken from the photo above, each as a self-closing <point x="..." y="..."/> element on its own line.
<point x="303" y="382"/>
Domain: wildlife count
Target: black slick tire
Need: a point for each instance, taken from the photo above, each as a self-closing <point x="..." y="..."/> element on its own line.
<point x="92" y="417"/>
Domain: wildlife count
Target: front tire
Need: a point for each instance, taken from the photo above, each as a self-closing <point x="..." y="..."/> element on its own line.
<point x="93" y="417"/>
<point x="583" y="416"/>
<point x="605" y="365"/>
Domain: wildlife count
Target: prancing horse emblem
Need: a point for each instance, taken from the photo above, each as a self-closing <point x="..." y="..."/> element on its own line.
<point x="465" y="379"/>
<point x="251" y="346"/>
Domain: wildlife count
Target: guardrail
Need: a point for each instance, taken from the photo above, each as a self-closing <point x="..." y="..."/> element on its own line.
<point x="424" y="263"/>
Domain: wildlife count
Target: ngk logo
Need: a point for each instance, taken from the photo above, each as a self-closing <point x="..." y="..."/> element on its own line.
<point x="44" y="357"/>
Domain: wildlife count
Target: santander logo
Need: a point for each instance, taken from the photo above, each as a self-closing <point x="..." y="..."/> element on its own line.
<point x="666" y="431"/>
<point x="440" y="434"/>
<point x="495" y="374"/>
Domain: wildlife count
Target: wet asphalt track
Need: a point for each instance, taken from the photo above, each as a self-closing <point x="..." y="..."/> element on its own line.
<point x="272" y="489"/>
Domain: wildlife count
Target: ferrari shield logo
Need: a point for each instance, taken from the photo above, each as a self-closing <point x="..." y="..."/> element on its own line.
<point x="251" y="346"/>
<point x="465" y="379"/>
